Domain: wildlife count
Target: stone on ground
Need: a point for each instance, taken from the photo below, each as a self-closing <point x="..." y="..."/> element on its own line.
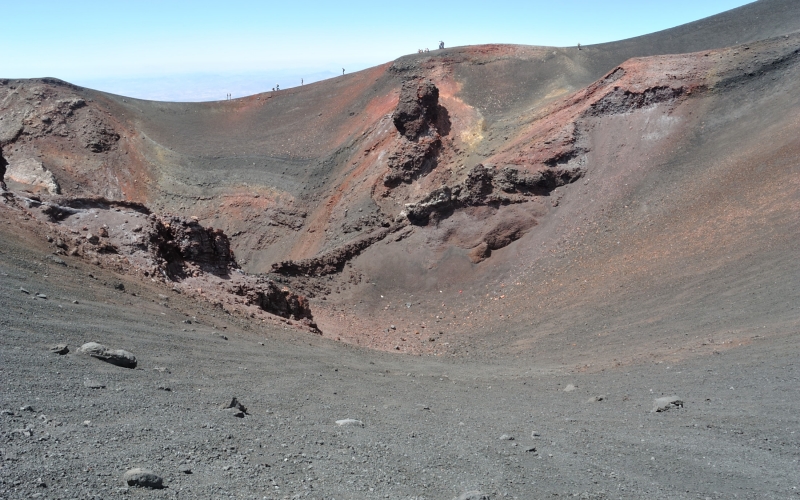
<point x="666" y="403"/>
<point x="349" y="422"/>
<point x="143" y="478"/>
<point x="116" y="357"/>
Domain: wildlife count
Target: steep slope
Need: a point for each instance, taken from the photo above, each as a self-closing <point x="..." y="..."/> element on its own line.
<point x="447" y="175"/>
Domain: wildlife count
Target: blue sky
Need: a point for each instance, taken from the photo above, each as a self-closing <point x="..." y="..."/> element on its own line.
<point x="200" y="50"/>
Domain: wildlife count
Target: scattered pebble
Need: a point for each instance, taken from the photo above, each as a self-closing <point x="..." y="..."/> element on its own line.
<point x="595" y="399"/>
<point x="143" y="478"/>
<point x="569" y="388"/>
<point x="473" y="495"/>
<point x="666" y="403"/>
<point x="506" y="437"/>
<point x="60" y="349"/>
<point x="350" y="422"/>
<point x="93" y="384"/>
<point x="237" y="406"/>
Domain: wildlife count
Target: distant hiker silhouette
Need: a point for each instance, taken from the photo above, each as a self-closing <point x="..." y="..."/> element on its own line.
<point x="342" y="70"/>
<point x="277" y="87"/>
<point x="3" y="164"/>
<point x="579" y="46"/>
<point x="301" y="81"/>
<point x="441" y="45"/>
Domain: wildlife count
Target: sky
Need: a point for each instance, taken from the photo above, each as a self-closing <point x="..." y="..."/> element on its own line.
<point x="201" y="50"/>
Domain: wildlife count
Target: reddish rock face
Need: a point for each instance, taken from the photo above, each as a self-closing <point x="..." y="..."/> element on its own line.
<point x="452" y="169"/>
<point x="417" y="110"/>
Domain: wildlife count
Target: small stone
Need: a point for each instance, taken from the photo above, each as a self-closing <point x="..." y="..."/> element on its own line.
<point x="349" y="422"/>
<point x="26" y="408"/>
<point x="530" y="449"/>
<point x="596" y="399"/>
<point x="119" y="286"/>
<point x="56" y="260"/>
<point x="87" y="423"/>
<point x="184" y="470"/>
<point x="24" y="291"/>
<point x="41" y="296"/>
<point x="236" y="405"/>
<point x="666" y="403"/>
<point x="60" y="349"/>
<point x="506" y="437"/>
<point x="164" y="388"/>
<point x="223" y="337"/>
<point x="569" y="388"/>
<point x="93" y="384"/>
<point x="143" y="478"/>
<point x="473" y="495"/>
<point x="534" y="434"/>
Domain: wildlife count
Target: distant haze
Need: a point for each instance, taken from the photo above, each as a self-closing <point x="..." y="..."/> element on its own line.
<point x="192" y="87"/>
<point x="202" y="50"/>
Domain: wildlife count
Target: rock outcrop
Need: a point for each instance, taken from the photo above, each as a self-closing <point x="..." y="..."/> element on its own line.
<point x="31" y="172"/>
<point x="487" y="186"/>
<point x="417" y="111"/>
<point x="416" y="119"/>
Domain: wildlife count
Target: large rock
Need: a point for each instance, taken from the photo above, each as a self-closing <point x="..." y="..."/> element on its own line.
<point x="418" y="108"/>
<point x="116" y="357"/>
<point x="143" y="478"/>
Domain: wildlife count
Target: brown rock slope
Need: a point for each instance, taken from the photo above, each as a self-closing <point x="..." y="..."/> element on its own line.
<point x="511" y="198"/>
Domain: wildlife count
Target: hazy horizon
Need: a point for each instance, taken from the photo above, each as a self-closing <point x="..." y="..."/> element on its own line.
<point x="201" y="50"/>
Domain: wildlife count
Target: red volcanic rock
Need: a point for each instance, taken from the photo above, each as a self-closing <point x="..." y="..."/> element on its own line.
<point x="417" y="110"/>
<point x="178" y="240"/>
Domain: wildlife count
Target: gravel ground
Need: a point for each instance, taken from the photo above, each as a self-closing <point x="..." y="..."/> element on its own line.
<point x="432" y="428"/>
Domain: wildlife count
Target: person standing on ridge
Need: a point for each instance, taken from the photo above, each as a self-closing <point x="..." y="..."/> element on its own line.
<point x="3" y="164"/>
<point x="441" y="45"/>
<point x="342" y="71"/>
<point x="579" y="46"/>
<point x="301" y="82"/>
